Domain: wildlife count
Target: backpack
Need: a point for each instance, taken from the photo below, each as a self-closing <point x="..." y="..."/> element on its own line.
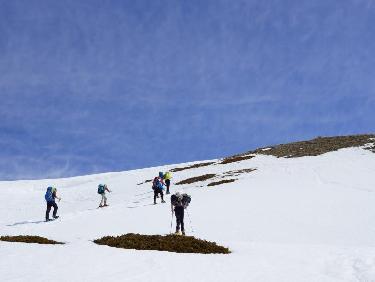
<point x="156" y="184"/>
<point x="48" y="196"/>
<point x="186" y="199"/>
<point x="101" y="189"/>
<point x="167" y="175"/>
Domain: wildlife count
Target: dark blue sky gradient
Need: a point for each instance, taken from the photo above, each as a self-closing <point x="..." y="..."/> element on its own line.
<point x="96" y="86"/>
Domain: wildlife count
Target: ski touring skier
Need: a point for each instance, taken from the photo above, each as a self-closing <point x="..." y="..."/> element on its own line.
<point x="102" y="188"/>
<point x="167" y="176"/>
<point x="50" y="196"/>
<point x="158" y="187"/>
<point x="179" y="202"/>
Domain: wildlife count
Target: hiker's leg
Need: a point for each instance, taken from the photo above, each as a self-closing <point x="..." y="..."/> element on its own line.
<point x="178" y="218"/>
<point x="55" y="208"/>
<point x="104" y="198"/>
<point x="48" y="210"/>
<point x="178" y="222"/>
<point x="162" y="195"/>
<point x="182" y="220"/>
<point x="155" y="195"/>
<point x="168" y="183"/>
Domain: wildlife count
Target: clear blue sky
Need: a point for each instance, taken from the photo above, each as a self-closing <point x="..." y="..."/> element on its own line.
<point x="95" y="86"/>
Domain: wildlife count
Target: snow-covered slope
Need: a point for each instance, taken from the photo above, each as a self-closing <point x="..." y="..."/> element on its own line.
<point x="301" y="219"/>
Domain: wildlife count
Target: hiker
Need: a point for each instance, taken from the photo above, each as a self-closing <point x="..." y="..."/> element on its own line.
<point x="50" y="197"/>
<point x="101" y="191"/>
<point x="158" y="186"/>
<point x="161" y="176"/>
<point x="179" y="202"/>
<point x="167" y="176"/>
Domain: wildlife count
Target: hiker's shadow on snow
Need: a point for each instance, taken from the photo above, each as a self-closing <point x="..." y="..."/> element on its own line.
<point x="139" y="206"/>
<point x="144" y="198"/>
<point x="144" y="193"/>
<point x="26" y="222"/>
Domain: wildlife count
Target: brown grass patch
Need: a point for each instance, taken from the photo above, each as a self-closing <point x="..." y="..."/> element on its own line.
<point x="170" y="243"/>
<point x="236" y="158"/>
<point x="314" y="147"/>
<point x="317" y="146"/>
<point x="29" y="239"/>
<point x="191" y="166"/>
<point x="240" y="171"/>
<point x="221" y="182"/>
<point x="196" y="179"/>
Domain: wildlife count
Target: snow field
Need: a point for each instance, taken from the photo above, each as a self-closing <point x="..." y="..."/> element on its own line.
<point x="303" y="219"/>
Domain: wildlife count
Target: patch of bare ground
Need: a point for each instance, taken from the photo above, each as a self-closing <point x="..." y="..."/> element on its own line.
<point x="221" y="182"/>
<point x="170" y="243"/>
<point x="317" y="146"/>
<point x="314" y="147"/>
<point x="236" y="158"/>
<point x="371" y="146"/>
<point x="191" y="166"/>
<point x="196" y="179"/>
<point x="240" y="171"/>
<point x="29" y="239"/>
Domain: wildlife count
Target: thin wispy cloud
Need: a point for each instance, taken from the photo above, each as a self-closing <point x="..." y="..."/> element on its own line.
<point x="94" y="86"/>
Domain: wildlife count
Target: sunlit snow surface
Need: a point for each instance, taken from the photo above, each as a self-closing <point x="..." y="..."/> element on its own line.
<point x="303" y="219"/>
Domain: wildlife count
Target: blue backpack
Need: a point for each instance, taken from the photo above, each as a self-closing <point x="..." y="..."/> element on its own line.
<point x="48" y="196"/>
<point x="101" y="189"/>
<point x="156" y="184"/>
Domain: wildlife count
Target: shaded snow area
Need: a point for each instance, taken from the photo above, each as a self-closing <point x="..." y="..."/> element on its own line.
<point x="298" y="219"/>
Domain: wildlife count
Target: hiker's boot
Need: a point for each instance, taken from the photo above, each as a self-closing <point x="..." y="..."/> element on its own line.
<point x="177" y="232"/>
<point x="55" y="216"/>
<point x="183" y="233"/>
<point x="162" y="201"/>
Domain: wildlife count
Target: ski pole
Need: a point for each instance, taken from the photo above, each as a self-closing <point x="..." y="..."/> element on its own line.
<point x="191" y="225"/>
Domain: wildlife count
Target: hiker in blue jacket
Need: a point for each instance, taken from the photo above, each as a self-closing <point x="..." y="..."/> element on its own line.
<point x="158" y="187"/>
<point x="50" y="197"/>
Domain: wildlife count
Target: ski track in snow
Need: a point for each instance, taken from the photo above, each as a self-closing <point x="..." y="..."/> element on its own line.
<point x="303" y="219"/>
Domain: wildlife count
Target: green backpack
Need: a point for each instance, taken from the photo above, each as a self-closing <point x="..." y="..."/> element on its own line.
<point x="101" y="189"/>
